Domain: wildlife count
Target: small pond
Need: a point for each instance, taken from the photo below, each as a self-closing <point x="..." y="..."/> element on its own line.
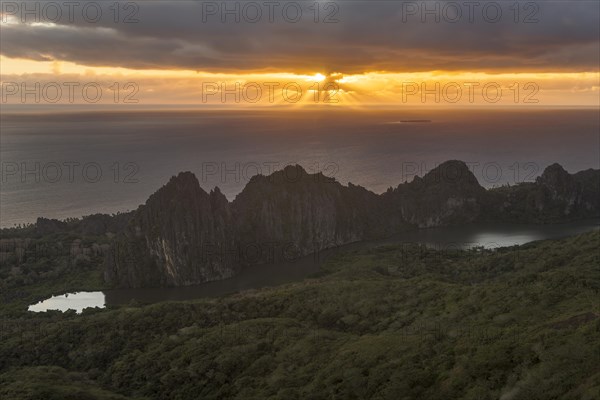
<point x="74" y="301"/>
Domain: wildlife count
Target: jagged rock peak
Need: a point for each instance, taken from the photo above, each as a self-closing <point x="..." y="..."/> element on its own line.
<point x="558" y="180"/>
<point x="167" y="237"/>
<point x="182" y="191"/>
<point x="553" y="174"/>
<point x="290" y="172"/>
<point x="289" y="175"/>
<point x="217" y="198"/>
<point x="184" y="182"/>
<point x="295" y="169"/>
<point x="183" y="179"/>
<point x="217" y="194"/>
<point x="451" y="172"/>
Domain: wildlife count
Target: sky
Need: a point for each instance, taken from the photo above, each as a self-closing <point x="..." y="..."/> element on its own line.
<point x="300" y="53"/>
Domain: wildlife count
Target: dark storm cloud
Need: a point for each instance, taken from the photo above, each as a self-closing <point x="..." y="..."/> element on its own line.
<point x="368" y="35"/>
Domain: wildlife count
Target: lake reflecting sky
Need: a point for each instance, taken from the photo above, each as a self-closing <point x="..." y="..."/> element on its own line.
<point x="70" y="301"/>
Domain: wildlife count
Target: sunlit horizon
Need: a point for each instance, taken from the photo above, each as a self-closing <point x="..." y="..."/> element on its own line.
<point x="239" y="90"/>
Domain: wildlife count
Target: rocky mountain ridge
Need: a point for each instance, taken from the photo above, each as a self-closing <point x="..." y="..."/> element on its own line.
<point x="183" y="235"/>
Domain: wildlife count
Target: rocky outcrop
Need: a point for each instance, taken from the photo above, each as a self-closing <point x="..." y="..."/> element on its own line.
<point x="447" y="195"/>
<point x="588" y="182"/>
<point x="181" y="236"/>
<point x="555" y="196"/>
<point x="184" y="235"/>
<point x="304" y="213"/>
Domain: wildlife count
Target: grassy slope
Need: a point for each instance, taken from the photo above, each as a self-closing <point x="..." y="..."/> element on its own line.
<point x="394" y="322"/>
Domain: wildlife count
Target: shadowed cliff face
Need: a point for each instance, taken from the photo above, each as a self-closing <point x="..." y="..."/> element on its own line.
<point x="447" y="195"/>
<point x="184" y="235"/>
<point x="555" y="196"/>
<point x="305" y="212"/>
<point x="176" y="238"/>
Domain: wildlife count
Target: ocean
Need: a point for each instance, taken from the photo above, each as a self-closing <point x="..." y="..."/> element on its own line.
<point x="61" y="163"/>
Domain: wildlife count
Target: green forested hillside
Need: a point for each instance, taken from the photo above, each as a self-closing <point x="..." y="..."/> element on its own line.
<point x="395" y="322"/>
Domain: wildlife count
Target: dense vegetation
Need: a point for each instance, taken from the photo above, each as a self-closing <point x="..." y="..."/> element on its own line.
<point x="37" y="267"/>
<point x="392" y="322"/>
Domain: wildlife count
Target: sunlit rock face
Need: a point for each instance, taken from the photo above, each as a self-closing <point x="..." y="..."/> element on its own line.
<point x="184" y="235"/>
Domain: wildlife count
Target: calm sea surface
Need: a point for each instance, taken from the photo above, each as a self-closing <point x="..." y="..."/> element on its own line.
<point x="61" y="165"/>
